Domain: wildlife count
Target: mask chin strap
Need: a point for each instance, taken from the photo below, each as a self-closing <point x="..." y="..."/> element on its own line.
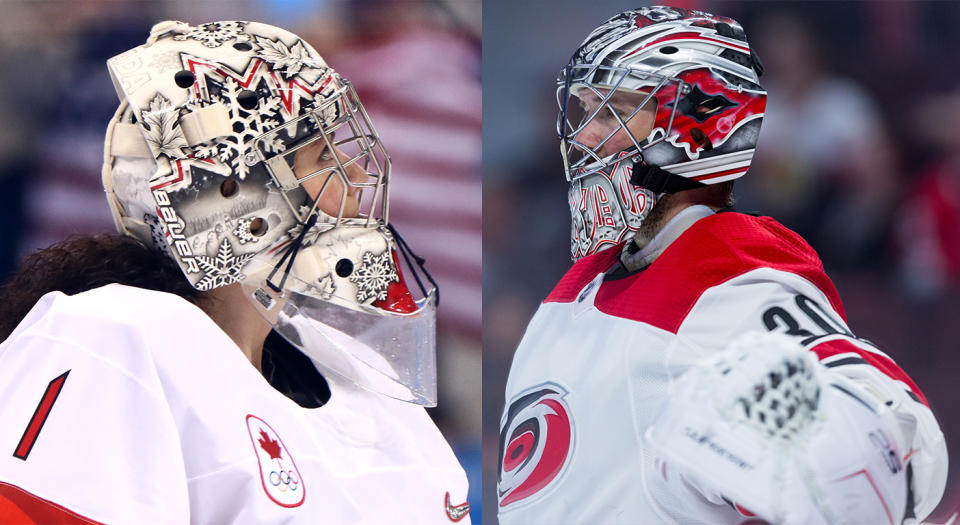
<point x="291" y="253"/>
<point x="407" y="253"/>
<point x="659" y="180"/>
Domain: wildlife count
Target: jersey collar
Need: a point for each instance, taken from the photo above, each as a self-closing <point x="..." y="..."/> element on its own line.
<point x="634" y="260"/>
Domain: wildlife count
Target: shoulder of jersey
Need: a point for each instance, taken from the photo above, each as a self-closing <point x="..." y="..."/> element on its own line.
<point x="711" y="252"/>
<point x="112" y="308"/>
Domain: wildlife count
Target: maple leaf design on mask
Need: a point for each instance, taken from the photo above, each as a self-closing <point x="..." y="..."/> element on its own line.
<point x="291" y="59"/>
<point x="270" y="446"/>
<point x="162" y="132"/>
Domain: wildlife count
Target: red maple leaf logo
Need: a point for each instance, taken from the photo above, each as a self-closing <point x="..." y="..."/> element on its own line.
<point x="269" y="446"/>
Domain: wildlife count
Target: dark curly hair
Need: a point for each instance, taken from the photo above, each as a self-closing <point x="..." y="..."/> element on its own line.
<point x="83" y="263"/>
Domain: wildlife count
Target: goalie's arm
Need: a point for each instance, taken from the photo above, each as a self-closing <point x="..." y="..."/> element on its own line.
<point x="925" y="451"/>
<point x="783" y="302"/>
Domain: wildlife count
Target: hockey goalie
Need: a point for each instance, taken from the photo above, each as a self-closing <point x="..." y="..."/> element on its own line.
<point x="694" y="365"/>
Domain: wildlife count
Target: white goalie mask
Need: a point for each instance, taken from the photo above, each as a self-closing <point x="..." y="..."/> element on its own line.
<point x="240" y="154"/>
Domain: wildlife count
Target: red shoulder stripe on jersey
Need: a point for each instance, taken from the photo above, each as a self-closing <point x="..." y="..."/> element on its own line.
<point x="712" y="251"/>
<point x="880" y="362"/>
<point x="20" y="506"/>
<point x="581" y="273"/>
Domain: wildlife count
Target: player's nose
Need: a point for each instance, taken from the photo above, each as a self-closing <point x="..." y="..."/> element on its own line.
<point x="591" y="136"/>
<point x="353" y="170"/>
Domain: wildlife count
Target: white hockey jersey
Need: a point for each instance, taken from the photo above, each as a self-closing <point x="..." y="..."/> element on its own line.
<point x="121" y="405"/>
<point x="595" y="365"/>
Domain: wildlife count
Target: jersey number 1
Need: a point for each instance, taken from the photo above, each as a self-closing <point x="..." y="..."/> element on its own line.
<point x="40" y="416"/>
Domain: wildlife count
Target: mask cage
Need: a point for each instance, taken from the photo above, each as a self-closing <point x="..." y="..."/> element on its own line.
<point x="580" y="159"/>
<point x="342" y="124"/>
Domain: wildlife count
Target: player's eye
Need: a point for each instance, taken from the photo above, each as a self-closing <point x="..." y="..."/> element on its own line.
<point x="326" y="154"/>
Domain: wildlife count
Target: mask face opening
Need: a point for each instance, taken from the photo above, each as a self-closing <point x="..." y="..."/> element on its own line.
<point x="335" y="155"/>
<point x="602" y="110"/>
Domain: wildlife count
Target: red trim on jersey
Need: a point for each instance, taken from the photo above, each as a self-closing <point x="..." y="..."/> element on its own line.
<point x="883" y="502"/>
<point x="743" y="510"/>
<point x="20" y="506"/>
<point x="881" y="363"/>
<point x="712" y="251"/>
<point x="582" y="272"/>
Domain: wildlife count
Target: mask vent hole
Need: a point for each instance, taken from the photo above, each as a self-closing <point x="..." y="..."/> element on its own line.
<point x="668" y="50"/>
<point x="344" y="267"/>
<point x="229" y="188"/>
<point x="258" y="227"/>
<point x="242" y="46"/>
<point x="183" y="78"/>
<point x="247" y="99"/>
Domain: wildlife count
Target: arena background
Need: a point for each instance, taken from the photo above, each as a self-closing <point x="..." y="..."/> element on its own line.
<point x="858" y="153"/>
<point x="416" y="66"/>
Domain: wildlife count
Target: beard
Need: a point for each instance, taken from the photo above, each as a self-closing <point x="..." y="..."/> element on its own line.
<point x="654" y="222"/>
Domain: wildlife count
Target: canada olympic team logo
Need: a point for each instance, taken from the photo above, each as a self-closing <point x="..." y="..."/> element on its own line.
<point x="278" y="473"/>
<point x="536" y="440"/>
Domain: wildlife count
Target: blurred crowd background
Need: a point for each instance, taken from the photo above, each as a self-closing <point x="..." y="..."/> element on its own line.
<point x="415" y="64"/>
<point x="859" y="153"/>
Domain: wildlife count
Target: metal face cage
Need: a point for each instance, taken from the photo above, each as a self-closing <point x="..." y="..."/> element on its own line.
<point x="349" y="139"/>
<point x="579" y="159"/>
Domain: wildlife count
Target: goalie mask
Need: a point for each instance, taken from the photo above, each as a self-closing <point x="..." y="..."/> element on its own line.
<point x="238" y="152"/>
<point x="656" y="100"/>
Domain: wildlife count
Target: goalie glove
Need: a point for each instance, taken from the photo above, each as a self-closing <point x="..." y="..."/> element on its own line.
<point x="766" y="428"/>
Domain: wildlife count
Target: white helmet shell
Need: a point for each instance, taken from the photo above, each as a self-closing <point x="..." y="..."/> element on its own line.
<point x="201" y="160"/>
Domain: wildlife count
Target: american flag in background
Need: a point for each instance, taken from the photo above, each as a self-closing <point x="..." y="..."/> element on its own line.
<point x="423" y="94"/>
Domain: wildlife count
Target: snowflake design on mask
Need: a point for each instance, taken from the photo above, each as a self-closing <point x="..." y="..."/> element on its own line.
<point x="163" y="134"/>
<point x="213" y="34"/>
<point x="329" y="113"/>
<point x="374" y="276"/>
<point x="326" y="286"/>
<point x="234" y="148"/>
<point x="164" y="62"/>
<point x="291" y="60"/>
<point x="242" y="231"/>
<point x="223" y="269"/>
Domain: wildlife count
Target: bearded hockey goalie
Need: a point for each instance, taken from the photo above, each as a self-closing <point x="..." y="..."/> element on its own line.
<point x="695" y="366"/>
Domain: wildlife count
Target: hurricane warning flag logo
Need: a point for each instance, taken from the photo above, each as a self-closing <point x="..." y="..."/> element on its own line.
<point x="278" y="473"/>
<point x="536" y="438"/>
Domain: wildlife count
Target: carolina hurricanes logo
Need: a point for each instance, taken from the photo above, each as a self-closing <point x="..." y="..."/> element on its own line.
<point x="536" y="438"/>
<point x="710" y="107"/>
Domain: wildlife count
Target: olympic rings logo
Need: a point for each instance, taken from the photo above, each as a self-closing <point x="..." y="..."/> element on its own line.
<point x="284" y="480"/>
